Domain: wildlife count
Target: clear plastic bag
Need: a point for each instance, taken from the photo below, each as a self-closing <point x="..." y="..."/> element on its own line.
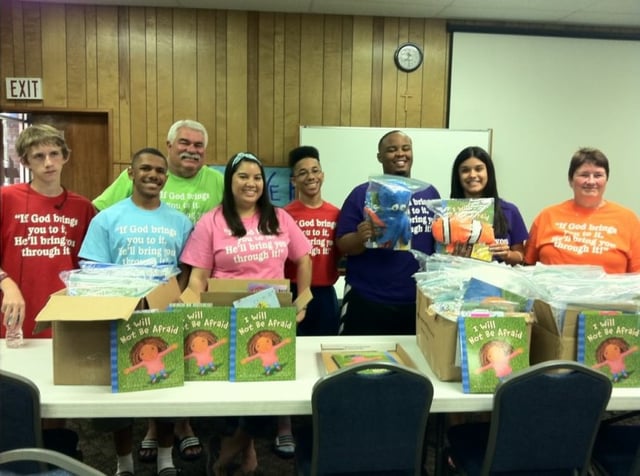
<point x="388" y="208"/>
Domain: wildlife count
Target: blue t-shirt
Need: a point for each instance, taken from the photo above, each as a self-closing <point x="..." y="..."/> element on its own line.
<point x="127" y="234"/>
<point x="383" y="275"/>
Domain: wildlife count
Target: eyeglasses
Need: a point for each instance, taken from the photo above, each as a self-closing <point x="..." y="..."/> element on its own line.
<point x="246" y="156"/>
<point x="304" y="173"/>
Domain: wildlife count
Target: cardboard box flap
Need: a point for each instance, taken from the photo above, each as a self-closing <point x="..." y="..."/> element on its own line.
<point x="226" y="298"/>
<point x="163" y="295"/>
<point x="61" y="307"/>
<point x="241" y="285"/>
<point x="544" y="317"/>
<point x="189" y="296"/>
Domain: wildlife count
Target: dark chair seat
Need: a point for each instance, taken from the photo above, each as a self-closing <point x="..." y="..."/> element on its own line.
<point x="367" y="423"/>
<point x="544" y="422"/>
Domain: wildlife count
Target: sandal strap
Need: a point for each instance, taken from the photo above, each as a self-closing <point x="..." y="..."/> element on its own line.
<point x="189" y="442"/>
<point x="149" y="443"/>
<point x="285" y="440"/>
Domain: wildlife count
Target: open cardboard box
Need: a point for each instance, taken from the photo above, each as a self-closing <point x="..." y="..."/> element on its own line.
<point x="437" y="339"/>
<point x="223" y="292"/>
<point x="81" y="348"/>
<point x="549" y="342"/>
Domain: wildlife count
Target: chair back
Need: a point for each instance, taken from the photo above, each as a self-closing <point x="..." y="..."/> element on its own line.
<point x="369" y="418"/>
<point x="546" y="418"/>
<point x="20" y="425"/>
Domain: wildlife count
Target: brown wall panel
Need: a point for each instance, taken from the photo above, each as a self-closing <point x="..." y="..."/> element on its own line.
<point x="77" y="64"/>
<point x="252" y="78"/>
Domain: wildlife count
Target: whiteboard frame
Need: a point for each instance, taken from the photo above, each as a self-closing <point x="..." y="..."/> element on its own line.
<point x="348" y="155"/>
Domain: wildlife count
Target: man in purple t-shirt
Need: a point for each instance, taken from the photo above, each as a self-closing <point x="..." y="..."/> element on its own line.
<point x="380" y="297"/>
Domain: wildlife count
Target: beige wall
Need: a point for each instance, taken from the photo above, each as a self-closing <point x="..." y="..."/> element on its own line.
<point x="251" y="78"/>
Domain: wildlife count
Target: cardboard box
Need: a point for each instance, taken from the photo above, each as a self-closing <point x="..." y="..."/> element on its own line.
<point x="549" y="342"/>
<point x="81" y="349"/>
<point x="437" y="339"/>
<point x="223" y="292"/>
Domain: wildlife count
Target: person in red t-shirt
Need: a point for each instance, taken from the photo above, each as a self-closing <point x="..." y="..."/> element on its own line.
<point x="587" y="229"/>
<point x="317" y="219"/>
<point x="42" y="226"/>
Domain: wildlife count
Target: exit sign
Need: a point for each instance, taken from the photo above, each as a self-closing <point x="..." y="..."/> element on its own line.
<point x="24" y="88"/>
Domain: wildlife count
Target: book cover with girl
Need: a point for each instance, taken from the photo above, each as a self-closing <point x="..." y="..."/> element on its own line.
<point x="262" y="344"/>
<point x="491" y="349"/>
<point x="609" y="341"/>
<point x="146" y="352"/>
<point x="206" y="341"/>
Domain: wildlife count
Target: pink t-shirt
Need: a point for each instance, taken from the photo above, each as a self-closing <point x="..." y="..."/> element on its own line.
<point x="212" y="246"/>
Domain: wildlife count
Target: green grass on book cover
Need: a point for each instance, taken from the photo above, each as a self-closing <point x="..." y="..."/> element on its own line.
<point x="609" y="341"/>
<point x="146" y="352"/>
<point x="206" y="342"/>
<point x="263" y="344"/>
<point x="491" y="348"/>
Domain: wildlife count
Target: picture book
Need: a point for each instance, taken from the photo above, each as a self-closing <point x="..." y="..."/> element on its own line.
<point x="206" y="341"/>
<point x="262" y="344"/>
<point x="463" y="226"/>
<point x="334" y="357"/>
<point x="146" y="352"/>
<point x="609" y="341"/>
<point x="479" y="294"/>
<point x="259" y="299"/>
<point x="491" y="348"/>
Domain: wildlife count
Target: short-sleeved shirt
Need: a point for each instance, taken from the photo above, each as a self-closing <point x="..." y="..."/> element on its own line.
<point x="192" y="196"/>
<point x="383" y="275"/>
<point x="40" y="237"/>
<point x="127" y="234"/>
<point x="517" y="233"/>
<point x="212" y="246"/>
<point x="566" y="233"/>
<point x="319" y="226"/>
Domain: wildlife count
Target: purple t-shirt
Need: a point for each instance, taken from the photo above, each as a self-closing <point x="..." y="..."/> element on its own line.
<point x="382" y="275"/>
<point x="517" y="229"/>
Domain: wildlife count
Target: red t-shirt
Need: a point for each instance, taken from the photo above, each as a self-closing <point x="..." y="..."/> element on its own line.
<point x="319" y="226"/>
<point x="40" y="237"/>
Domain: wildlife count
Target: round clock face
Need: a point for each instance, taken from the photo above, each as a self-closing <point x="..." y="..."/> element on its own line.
<point x="408" y="57"/>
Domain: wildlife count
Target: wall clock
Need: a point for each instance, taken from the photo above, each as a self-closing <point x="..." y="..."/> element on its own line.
<point x="408" y="57"/>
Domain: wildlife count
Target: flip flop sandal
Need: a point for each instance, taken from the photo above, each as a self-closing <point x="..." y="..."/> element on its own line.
<point x="148" y="451"/>
<point x="284" y="446"/>
<point x="189" y="443"/>
<point x="169" y="472"/>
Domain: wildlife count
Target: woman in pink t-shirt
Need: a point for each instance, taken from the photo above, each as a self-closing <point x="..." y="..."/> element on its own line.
<point x="245" y="237"/>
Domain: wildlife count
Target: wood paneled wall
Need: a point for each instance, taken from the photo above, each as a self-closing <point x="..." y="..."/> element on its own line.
<point x="251" y="78"/>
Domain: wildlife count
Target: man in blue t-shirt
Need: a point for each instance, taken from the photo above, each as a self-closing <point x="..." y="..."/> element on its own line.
<point x="140" y="230"/>
<point x="380" y="296"/>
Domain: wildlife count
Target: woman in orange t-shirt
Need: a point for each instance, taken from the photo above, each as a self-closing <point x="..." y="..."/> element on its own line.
<point x="587" y="229"/>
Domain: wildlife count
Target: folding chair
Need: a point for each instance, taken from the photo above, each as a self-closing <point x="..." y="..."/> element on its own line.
<point x="368" y="419"/>
<point x="21" y="443"/>
<point x="544" y="421"/>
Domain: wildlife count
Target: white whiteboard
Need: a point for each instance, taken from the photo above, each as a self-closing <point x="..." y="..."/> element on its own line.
<point x="544" y="97"/>
<point x="349" y="155"/>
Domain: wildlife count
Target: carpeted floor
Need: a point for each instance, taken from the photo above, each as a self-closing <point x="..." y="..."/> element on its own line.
<point x="97" y="448"/>
<point x="98" y="451"/>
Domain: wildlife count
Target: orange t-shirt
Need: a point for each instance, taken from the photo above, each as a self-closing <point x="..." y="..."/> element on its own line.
<point x="566" y="233"/>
